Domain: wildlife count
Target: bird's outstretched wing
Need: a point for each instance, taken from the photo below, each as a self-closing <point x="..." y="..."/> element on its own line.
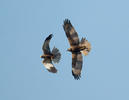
<point x="49" y="66"/>
<point x="77" y="65"/>
<point x="71" y="33"/>
<point x="45" y="47"/>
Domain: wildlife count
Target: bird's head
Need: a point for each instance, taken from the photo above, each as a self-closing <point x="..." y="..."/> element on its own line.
<point x="42" y="56"/>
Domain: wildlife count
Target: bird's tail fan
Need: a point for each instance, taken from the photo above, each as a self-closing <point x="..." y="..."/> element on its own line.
<point x="57" y="55"/>
<point x="87" y="45"/>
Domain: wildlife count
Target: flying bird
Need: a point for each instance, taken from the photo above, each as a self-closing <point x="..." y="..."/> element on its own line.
<point x="77" y="48"/>
<point x="49" y="55"/>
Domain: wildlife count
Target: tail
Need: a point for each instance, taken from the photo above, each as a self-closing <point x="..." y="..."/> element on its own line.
<point x="84" y="43"/>
<point x="57" y="55"/>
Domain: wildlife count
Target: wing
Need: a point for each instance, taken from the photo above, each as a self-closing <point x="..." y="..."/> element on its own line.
<point x="76" y="65"/>
<point x="49" y="66"/>
<point x="71" y="33"/>
<point x="45" y="47"/>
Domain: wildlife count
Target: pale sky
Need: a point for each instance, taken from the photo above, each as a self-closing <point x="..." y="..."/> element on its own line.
<point x="24" y="25"/>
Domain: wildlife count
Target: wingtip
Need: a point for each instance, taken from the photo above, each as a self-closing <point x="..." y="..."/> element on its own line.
<point x="67" y="24"/>
<point x="49" y="37"/>
<point x="76" y="77"/>
<point x="52" y="69"/>
<point x="67" y="21"/>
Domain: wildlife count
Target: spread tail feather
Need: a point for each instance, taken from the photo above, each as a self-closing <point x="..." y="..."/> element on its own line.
<point x="57" y="55"/>
<point x="87" y="45"/>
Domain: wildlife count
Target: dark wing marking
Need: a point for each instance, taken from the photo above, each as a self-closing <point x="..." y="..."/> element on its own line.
<point x="45" y="47"/>
<point x="76" y="65"/>
<point x="70" y="33"/>
<point x="49" y="66"/>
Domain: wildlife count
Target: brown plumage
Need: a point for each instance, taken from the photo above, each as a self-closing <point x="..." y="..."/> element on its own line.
<point x="77" y="48"/>
<point x="50" y="56"/>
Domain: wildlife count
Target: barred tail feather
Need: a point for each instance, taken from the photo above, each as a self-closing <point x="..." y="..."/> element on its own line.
<point x="57" y="55"/>
<point x="87" y="45"/>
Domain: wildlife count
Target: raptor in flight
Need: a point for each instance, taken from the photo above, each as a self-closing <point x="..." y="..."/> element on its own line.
<point x="50" y="56"/>
<point x="77" y="48"/>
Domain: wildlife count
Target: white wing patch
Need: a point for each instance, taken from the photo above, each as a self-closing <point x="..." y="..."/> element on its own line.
<point x="48" y="65"/>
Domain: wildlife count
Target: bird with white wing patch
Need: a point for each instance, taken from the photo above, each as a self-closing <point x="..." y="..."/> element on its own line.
<point x="49" y="56"/>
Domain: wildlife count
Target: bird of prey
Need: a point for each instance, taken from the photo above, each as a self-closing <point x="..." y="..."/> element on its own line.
<point x="49" y="55"/>
<point x="77" y="48"/>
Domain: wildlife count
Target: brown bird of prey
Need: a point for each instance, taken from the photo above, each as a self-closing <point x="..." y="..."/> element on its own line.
<point x="50" y="56"/>
<point x="77" y="48"/>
